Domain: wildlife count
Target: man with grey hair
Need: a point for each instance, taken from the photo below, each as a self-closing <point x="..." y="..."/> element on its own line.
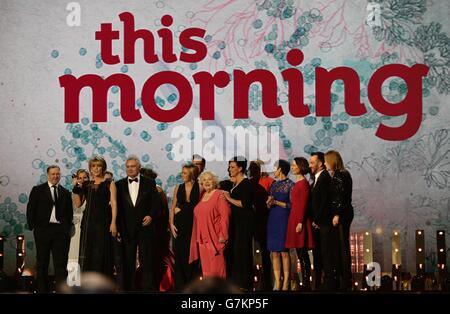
<point x="138" y="204"/>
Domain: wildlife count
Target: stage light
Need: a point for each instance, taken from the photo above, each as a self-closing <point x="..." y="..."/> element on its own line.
<point x="255" y="278"/>
<point x="441" y="250"/>
<point x="419" y="249"/>
<point x="20" y="254"/>
<point x="396" y="233"/>
<point x="378" y="230"/>
<point x="419" y="232"/>
<point x="257" y="251"/>
<point x="201" y="278"/>
<point x="356" y="284"/>
<point x="396" y="250"/>
<point x="441" y="233"/>
<point x="1" y="253"/>
<point x="367" y="250"/>
<point x="367" y="233"/>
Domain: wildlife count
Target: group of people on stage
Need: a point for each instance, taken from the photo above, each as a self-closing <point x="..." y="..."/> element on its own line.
<point x="214" y="224"/>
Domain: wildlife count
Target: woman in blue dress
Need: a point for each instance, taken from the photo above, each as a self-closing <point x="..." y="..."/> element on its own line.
<point x="279" y="205"/>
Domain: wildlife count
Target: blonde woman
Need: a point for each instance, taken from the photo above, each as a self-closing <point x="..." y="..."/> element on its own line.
<point x="210" y="228"/>
<point x="80" y="181"/>
<point x="99" y="220"/>
<point x="342" y="216"/>
<point x="185" y="197"/>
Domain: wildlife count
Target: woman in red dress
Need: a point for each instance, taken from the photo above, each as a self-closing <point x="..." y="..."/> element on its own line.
<point x="299" y="230"/>
<point x="210" y="228"/>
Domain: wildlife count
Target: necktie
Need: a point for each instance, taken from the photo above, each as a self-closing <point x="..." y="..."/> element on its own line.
<point x="133" y="180"/>
<point x="55" y="197"/>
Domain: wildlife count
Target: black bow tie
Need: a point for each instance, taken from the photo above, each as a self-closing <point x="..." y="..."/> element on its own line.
<point x="133" y="180"/>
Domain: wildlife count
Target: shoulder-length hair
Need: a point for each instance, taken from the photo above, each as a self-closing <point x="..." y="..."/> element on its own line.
<point x="334" y="159"/>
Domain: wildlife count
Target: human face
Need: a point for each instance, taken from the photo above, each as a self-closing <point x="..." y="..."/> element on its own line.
<point x="199" y="164"/>
<point x="132" y="167"/>
<point x="82" y="177"/>
<point x="294" y="168"/>
<point x="185" y="175"/>
<point x="277" y="173"/>
<point x="233" y="169"/>
<point x="208" y="183"/>
<point x="53" y="176"/>
<point x="96" y="169"/>
<point x="315" y="164"/>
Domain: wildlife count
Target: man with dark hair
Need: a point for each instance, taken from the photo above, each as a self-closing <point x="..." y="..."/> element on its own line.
<point x="199" y="162"/>
<point x="321" y="217"/>
<point x="49" y="214"/>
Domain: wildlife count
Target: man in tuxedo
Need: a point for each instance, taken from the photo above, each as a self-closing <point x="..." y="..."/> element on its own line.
<point x="138" y="204"/>
<point x="49" y="214"/>
<point x="321" y="217"/>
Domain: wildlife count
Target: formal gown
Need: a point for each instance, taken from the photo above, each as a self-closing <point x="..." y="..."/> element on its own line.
<point x="240" y="255"/>
<point x="74" y="249"/>
<point x="183" y="221"/>
<point x="96" y="241"/>
<point x="278" y="216"/>
<point x="298" y="214"/>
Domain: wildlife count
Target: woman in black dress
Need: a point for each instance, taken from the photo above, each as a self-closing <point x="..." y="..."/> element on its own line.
<point x="342" y="213"/>
<point x="185" y="198"/>
<point x="240" y="250"/>
<point x="99" y="220"/>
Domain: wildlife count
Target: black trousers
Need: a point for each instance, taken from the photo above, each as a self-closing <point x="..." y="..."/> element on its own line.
<point x="144" y="239"/>
<point x="343" y="258"/>
<point x="323" y="257"/>
<point x="54" y="239"/>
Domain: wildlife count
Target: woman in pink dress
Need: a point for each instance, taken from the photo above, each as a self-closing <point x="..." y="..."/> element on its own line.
<point x="210" y="228"/>
<point x="299" y="230"/>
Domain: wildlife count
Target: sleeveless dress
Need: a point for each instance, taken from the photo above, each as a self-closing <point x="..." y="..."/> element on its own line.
<point x="183" y="221"/>
<point x="96" y="240"/>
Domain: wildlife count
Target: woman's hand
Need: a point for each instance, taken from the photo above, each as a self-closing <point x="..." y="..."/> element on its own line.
<point x="226" y="195"/>
<point x="113" y="229"/>
<point x="177" y="210"/>
<point x="270" y="201"/>
<point x="299" y="228"/>
<point x="173" y="230"/>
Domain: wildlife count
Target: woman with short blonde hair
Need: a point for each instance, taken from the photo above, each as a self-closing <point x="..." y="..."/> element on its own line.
<point x="210" y="228"/>
<point x="99" y="220"/>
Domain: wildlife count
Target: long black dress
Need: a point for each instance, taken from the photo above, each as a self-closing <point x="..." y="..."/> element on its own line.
<point x="240" y="254"/>
<point x="183" y="221"/>
<point x="96" y="241"/>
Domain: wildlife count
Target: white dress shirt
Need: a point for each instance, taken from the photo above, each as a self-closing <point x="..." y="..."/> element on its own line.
<point x="53" y="215"/>
<point x="133" y="188"/>
<point x="316" y="176"/>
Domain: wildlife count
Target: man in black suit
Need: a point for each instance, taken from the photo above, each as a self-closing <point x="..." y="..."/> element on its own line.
<point x="50" y="213"/>
<point x="138" y="204"/>
<point x="321" y="217"/>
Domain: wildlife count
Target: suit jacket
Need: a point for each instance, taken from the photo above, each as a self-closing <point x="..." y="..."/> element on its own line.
<point x="320" y="200"/>
<point x="148" y="203"/>
<point x="341" y="194"/>
<point x="40" y="204"/>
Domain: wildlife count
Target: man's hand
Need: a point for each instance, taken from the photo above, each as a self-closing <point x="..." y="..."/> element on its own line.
<point x="146" y="221"/>
<point x="335" y="220"/>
